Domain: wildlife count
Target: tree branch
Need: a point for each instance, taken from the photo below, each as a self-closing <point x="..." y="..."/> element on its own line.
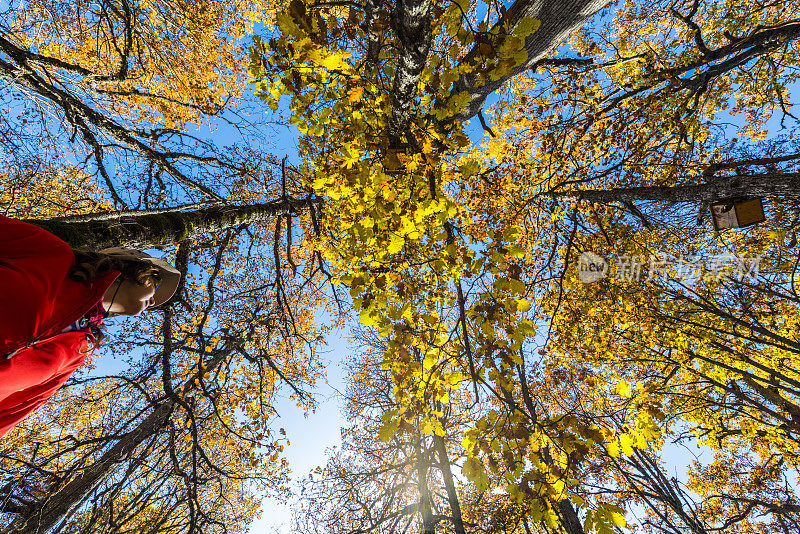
<point x="559" y="18"/>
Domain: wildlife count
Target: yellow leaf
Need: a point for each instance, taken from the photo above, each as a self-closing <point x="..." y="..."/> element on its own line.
<point x="624" y="389"/>
<point x="396" y="243"/>
<point x="626" y="444"/>
<point x="334" y="62"/>
<point x="356" y="94"/>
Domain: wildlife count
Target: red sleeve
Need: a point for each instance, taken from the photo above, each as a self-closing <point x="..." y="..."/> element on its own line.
<point x="29" y="379"/>
<point x="29" y="402"/>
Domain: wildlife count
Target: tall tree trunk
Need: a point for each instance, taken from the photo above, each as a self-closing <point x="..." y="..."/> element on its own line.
<point x="559" y="18"/>
<point x="567" y="515"/>
<point x="413" y="19"/>
<point x="428" y="524"/>
<point x="57" y="505"/>
<point x="62" y="500"/>
<point x="753" y="185"/>
<point x="152" y="230"/>
<point x="570" y="521"/>
<point x="447" y="475"/>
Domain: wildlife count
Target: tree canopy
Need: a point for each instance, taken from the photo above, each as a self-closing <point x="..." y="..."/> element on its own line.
<point x="460" y="167"/>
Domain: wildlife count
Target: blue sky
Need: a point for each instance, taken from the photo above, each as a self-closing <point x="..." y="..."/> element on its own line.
<point x="312" y="436"/>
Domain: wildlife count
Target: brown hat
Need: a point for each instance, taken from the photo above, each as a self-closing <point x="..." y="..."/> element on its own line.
<point x="170" y="276"/>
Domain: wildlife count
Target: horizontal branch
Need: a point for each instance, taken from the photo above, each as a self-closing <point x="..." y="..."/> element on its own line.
<point x="158" y="229"/>
<point x="107" y="215"/>
<point x="759" y="185"/>
<point x="558" y="18"/>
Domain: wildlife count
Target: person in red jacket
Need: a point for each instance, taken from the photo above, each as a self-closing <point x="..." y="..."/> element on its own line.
<point x="52" y="301"/>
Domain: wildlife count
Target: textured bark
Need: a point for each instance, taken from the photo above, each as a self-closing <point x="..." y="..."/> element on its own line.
<point x="111" y="215"/>
<point x="447" y="475"/>
<point x="559" y="18"/>
<point x="153" y="230"/>
<point x="425" y="510"/>
<point x="412" y="19"/>
<point x="62" y="500"/>
<point x="373" y="42"/>
<point x="570" y="521"/>
<point x="756" y="185"/>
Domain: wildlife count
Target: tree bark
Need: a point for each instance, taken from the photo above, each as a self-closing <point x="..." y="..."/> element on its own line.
<point x="413" y="21"/>
<point x="153" y="230"/>
<point x="559" y="18"/>
<point x="447" y="475"/>
<point x="755" y="185"/>
<point x="569" y="518"/>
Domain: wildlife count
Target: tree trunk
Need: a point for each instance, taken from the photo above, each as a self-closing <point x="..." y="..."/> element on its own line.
<point x="447" y="475"/>
<point x="567" y="515"/>
<point x="756" y="185"/>
<point x="570" y="521"/>
<point x="559" y="18"/>
<point x="426" y="513"/>
<point x="54" y="508"/>
<point x="413" y="19"/>
<point x="152" y="230"/>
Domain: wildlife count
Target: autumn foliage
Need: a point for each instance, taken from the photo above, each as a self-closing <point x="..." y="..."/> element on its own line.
<point x="456" y="163"/>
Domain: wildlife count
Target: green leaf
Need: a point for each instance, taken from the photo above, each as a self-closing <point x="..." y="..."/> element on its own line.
<point x="604" y="519"/>
<point x="511" y="233"/>
<point x="389" y="429"/>
<point x="527" y="26"/>
<point x="469" y="169"/>
<point x="457" y="103"/>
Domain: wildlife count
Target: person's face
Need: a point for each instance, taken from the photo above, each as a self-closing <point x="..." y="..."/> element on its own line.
<point x="131" y="298"/>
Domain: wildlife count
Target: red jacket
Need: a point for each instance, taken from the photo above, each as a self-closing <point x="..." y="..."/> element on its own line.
<point x="37" y="301"/>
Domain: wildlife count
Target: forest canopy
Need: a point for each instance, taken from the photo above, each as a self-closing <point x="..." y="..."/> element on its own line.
<point x="538" y="222"/>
